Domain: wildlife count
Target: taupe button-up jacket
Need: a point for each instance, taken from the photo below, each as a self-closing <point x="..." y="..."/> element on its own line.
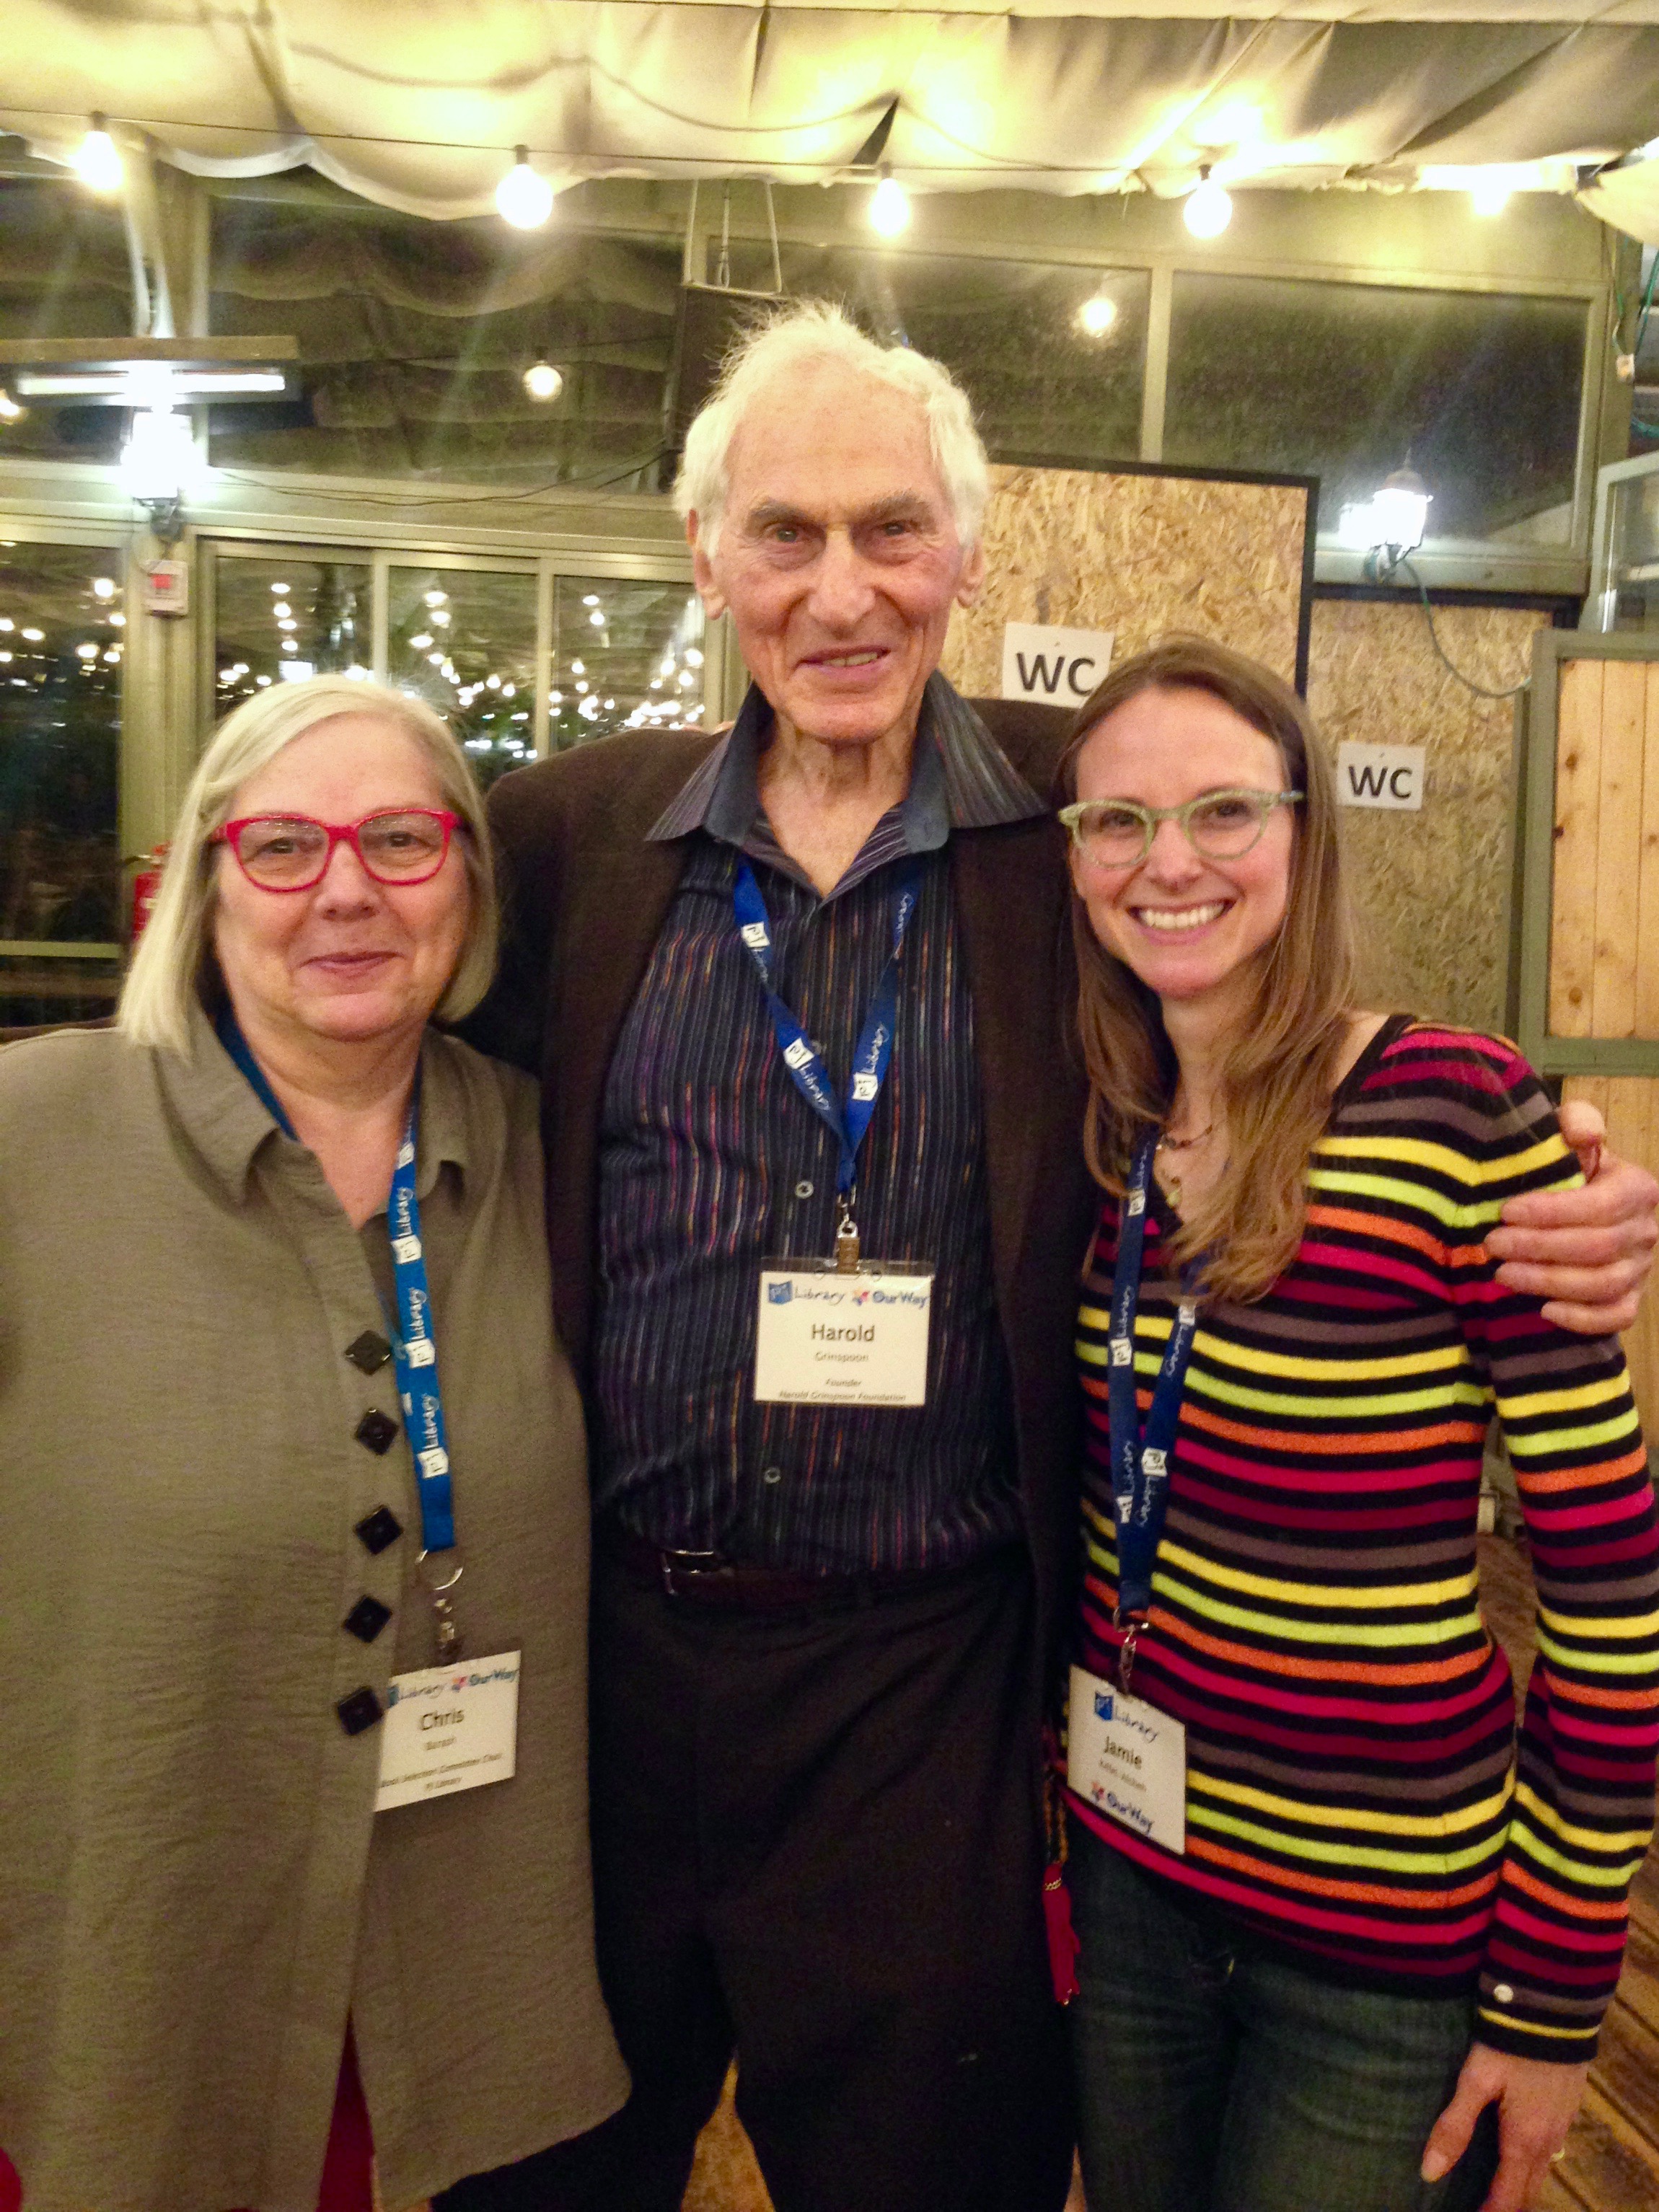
<point x="194" y="1888"/>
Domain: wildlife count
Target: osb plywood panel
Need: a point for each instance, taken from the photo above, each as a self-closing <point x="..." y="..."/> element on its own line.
<point x="1136" y="554"/>
<point x="1429" y="888"/>
<point x="1604" y="919"/>
<point x="1629" y="1104"/>
<point x="725" y="2178"/>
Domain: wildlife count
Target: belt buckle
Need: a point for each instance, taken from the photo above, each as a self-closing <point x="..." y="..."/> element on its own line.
<point x="691" y="1564"/>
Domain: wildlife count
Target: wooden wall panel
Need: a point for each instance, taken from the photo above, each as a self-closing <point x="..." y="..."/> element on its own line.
<point x="1577" y="810"/>
<point x="1138" y="554"/>
<point x="1429" y="889"/>
<point x="1647" y="923"/>
<point x="1630" y="1106"/>
<point x="1619" y="849"/>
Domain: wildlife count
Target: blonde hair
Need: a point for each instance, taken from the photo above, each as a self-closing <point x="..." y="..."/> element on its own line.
<point x="174" y="958"/>
<point x="1277" y="1082"/>
<point x="776" y="351"/>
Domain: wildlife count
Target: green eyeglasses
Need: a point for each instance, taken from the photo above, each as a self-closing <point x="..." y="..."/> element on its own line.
<point x="1221" y="825"/>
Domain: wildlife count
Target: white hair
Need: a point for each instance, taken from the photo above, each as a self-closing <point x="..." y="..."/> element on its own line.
<point x="794" y="340"/>
<point x="175" y="954"/>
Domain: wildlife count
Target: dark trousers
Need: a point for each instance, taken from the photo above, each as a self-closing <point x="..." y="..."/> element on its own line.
<point x="816" y="1843"/>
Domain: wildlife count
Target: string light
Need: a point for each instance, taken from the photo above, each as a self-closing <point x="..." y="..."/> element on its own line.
<point x="1097" y="314"/>
<point x="1208" y="210"/>
<point x="97" y="164"/>
<point x="889" y="206"/>
<point x="525" y="199"/>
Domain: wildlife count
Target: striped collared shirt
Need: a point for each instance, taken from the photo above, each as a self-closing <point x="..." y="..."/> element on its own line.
<point x="712" y="1163"/>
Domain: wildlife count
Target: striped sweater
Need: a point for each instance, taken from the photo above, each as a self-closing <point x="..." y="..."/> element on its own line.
<point x="1354" y="1788"/>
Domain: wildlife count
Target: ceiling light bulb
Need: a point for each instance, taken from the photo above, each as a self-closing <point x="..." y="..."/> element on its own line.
<point x="693" y="657"/>
<point x="1096" y="315"/>
<point x="1208" y="210"/>
<point x="1490" y="196"/>
<point x="437" y="598"/>
<point x="543" y="381"/>
<point x="577" y="669"/>
<point x="598" y="618"/>
<point x="103" y="587"/>
<point x="525" y="199"/>
<point x="421" y="643"/>
<point x="281" y="608"/>
<point x="889" y="207"/>
<point x="282" y="590"/>
<point x="97" y="164"/>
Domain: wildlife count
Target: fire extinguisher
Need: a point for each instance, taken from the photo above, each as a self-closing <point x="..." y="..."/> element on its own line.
<point x="146" y="883"/>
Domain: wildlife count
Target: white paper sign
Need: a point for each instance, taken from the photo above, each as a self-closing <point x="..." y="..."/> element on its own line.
<point x="1128" y="1758"/>
<point x="1062" y="665"/>
<point x="1380" y="775"/>
<point x="449" y="1728"/>
<point x="831" y="1339"/>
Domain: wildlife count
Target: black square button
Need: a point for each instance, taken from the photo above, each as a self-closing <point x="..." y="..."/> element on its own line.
<point x="366" y="1619"/>
<point x="368" y="1351"/>
<point x="379" y="1528"/>
<point x="376" y="1430"/>
<point x="359" y="1712"/>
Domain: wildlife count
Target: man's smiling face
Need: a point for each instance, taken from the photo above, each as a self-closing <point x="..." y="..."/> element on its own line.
<point x="837" y="556"/>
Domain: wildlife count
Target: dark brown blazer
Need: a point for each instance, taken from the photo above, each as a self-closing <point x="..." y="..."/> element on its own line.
<point x="586" y="896"/>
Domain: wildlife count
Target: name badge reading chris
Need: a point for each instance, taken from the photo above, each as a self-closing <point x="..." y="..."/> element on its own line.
<point x="829" y="1338"/>
<point x="1128" y="1758"/>
<point x="449" y="1728"/>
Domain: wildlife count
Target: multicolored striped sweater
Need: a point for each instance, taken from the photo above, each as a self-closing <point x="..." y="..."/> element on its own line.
<point x="1354" y="1789"/>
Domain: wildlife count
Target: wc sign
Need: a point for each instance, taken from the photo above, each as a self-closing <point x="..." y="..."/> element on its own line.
<point x="1060" y="666"/>
<point x="1380" y="775"/>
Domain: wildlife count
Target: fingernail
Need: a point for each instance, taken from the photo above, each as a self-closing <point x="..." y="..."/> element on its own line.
<point x="1434" y="2163"/>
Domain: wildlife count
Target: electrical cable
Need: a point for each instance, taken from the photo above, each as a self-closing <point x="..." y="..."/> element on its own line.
<point x="1482" y="690"/>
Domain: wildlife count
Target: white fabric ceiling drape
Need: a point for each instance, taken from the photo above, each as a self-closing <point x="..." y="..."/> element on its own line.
<point x="417" y="107"/>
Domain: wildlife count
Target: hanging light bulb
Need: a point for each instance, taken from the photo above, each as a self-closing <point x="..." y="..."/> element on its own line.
<point x="890" y="205"/>
<point x="1097" y="314"/>
<point x="543" y="381"/>
<point x="1209" y="209"/>
<point x="97" y="164"/>
<point x="525" y="199"/>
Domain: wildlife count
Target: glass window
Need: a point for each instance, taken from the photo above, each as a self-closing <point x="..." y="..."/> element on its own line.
<point x="465" y="638"/>
<point x="1041" y="383"/>
<point x="1348" y="382"/>
<point x="626" y="655"/>
<point x="414" y="338"/>
<point x="64" y="274"/>
<point x="286" y="616"/>
<point x="62" y="628"/>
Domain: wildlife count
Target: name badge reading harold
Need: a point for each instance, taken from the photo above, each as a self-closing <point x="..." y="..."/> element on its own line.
<point x="1128" y="1758"/>
<point x="829" y="1338"/>
<point x="448" y="1729"/>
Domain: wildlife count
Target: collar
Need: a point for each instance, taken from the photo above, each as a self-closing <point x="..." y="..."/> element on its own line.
<point x="961" y="778"/>
<point x="224" y="1120"/>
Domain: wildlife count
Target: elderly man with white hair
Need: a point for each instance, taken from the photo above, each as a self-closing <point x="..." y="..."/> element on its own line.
<point x="815" y="1206"/>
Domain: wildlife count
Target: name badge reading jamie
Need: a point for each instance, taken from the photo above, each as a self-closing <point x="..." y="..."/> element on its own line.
<point x="449" y="1728"/>
<point x="1128" y="1758"/>
<point x="826" y="1339"/>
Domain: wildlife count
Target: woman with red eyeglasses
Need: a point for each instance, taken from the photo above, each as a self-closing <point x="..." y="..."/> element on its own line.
<point x="293" y="1526"/>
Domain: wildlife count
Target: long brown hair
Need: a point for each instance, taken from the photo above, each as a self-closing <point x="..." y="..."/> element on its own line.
<point x="1277" y="1081"/>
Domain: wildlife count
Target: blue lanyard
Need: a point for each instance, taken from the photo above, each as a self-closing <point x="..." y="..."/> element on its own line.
<point x="874" y="1051"/>
<point x="1140" y="1463"/>
<point x="415" y="1349"/>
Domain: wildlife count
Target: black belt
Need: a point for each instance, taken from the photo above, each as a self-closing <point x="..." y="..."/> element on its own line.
<point x="710" y="1579"/>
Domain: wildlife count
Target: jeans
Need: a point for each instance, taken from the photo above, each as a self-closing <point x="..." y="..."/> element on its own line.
<point x="1213" y="2077"/>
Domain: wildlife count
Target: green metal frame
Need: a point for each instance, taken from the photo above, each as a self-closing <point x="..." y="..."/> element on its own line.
<point x="1536" y="873"/>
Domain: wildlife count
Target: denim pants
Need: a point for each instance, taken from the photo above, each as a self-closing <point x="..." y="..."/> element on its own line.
<point x="1212" y="2076"/>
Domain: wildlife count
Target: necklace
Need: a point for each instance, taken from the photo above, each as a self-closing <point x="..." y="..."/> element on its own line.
<point x="1166" y="1143"/>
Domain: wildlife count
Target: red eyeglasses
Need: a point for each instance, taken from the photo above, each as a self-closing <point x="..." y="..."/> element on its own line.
<point x="291" y="852"/>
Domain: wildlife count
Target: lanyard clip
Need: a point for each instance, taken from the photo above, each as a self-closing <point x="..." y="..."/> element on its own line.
<point x="846" y="1236"/>
<point x="1126" y="1657"/>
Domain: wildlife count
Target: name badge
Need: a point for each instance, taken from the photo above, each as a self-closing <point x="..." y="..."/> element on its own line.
<point x="829" y="1338"/>
<point x="449" y="1728"/>
<point x="1128" y="1758"/>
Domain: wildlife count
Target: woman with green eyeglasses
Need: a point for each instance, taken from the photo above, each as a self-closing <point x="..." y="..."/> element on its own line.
<point x="1345" y="1942"/>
